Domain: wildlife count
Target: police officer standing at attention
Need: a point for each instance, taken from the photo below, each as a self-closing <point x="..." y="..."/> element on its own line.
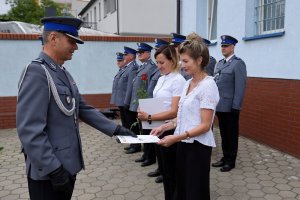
<point x="230" y="76"/>
<point x="209" y="68"/>
<point x="125" y="82"/>
<point x="50" y="136"/>
<point x="139" y="83"/>
<point x="117" y="96"/>
<point x="177" y="39"/>
<point x="149" y="156"/>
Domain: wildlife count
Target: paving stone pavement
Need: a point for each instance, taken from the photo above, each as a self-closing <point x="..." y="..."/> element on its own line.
<point x="261" y="172"/>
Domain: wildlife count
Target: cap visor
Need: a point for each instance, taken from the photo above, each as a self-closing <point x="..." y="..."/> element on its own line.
<point x="78" y="40"/>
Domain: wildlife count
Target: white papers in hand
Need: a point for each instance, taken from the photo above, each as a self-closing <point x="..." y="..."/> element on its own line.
<point x="152" y="106"/>
<point x="139" y="139"/>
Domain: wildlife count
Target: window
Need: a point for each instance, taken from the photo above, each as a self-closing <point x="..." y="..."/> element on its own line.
<point x="212" y="19"/>
<point x="270" y="16"/>
<point x="109" y="6"/>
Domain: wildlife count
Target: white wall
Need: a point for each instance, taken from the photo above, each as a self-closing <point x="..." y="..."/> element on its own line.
<point x="269" y="58"/>
<point x="153" y="17"/>
<point x="77" y="6"/>
<point x="109" y="23"/>
<point x="93" y="65"/>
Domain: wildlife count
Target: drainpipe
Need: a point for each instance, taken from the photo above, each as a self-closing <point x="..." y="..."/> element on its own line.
<point x="178" y="17"/>
<point x="118" y="24"/>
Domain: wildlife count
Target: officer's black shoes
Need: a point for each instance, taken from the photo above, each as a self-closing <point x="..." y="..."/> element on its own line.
<point x="220" y="163"/>
<point x="159" y="179"/>
<point x="132" y="150"/>
<point x="227" y="168"/>
<point x="154" y="174"/>
<point x="141" y="159"/>
<point x="126" y="148"/>
<point x="147" y="163"/>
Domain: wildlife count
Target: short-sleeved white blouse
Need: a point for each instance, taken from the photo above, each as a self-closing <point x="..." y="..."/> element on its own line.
<point x="204" y="96"/>
<point x="169" y="86"/>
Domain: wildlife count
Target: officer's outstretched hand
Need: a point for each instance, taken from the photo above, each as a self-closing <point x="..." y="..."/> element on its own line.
<point x="61" y="180"/>
<point x="120" y="130"/>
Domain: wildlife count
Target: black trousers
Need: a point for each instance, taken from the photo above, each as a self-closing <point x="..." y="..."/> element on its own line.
<point x="193" y="168"/>
<point x="43" y="190"/>
<point x="168" y="168"/>
<point x="149" y="148"/>
<point x="229" y="130"/>
<point x="123" y="117"/>
<point x="131" y="117"/>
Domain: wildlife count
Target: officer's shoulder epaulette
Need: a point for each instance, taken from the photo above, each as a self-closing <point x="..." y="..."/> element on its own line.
<point x="237" y="58"/>
<point x="152" y="63"/>
<point x="39" y="60"/>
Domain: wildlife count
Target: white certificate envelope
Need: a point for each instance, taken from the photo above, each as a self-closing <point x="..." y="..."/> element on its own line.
<point x="139" y="139"/>
<point x="152" y="106"/>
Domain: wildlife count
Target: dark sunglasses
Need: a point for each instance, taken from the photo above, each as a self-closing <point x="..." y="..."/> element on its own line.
<point x="224" y="46"/>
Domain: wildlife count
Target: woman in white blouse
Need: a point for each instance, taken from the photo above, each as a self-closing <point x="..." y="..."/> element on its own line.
<point x="169" y="86"/>
<point x="193" y="133"/>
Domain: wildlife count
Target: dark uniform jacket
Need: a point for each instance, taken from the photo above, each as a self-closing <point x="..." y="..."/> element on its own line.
<point x="209" y="68"/>
<point x="49" y="137"/>
<point x="130" y="76"/>
<point x="147" y="69"/>
<point x="231" y="78"/>
<point x="152" y="82"/>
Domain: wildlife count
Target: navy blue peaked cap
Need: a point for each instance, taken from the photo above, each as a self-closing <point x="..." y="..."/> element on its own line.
<point x="228" y="40"/>
<point x="160" y="42"/>
<point x="128" y="50"/>
<point x="177" y="38"/>
<point x="206" y="41"/>
<point x="68" y="25"/>
<point x="144" y="47"/>
<point x="120" y="56"/>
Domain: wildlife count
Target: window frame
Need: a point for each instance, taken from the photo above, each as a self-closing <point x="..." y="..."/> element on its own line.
<point x="267" y="15"/>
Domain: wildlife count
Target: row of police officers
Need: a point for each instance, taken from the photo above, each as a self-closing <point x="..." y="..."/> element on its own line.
<point x="229" y="73"/>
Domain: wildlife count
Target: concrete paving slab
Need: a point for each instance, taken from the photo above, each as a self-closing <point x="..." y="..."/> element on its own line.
<point x="261" y="172"/>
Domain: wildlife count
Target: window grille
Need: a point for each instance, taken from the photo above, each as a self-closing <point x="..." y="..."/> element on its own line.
<point x="270" y="16"/>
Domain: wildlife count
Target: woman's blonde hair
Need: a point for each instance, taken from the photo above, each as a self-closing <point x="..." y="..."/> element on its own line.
<point x="195" y="48"/>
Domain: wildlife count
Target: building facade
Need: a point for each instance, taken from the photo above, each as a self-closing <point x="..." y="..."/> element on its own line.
<point x="268" y="33"/>
<point x="134" y="17"/>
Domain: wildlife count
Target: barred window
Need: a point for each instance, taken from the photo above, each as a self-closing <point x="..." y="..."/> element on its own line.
<point x="270" y="16"/>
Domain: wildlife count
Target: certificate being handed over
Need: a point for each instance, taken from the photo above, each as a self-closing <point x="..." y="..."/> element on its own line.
<point x="152" y="106"/>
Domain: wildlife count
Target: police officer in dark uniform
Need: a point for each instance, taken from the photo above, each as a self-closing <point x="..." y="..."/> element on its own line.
<point x="144" y="71"/>
<point x="230" y="76"/>
<point x="127" y="78"/>
<point x="118" y="88"/>
<point x="50" y="135"/>
<point x="209" y="68"/>
<point x="149" y="156"/>
<point x="177" y="39"/>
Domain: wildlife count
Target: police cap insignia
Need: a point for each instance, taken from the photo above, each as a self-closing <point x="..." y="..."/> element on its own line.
<point x="143" y="47"/>
<point x="228" y="40"/>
